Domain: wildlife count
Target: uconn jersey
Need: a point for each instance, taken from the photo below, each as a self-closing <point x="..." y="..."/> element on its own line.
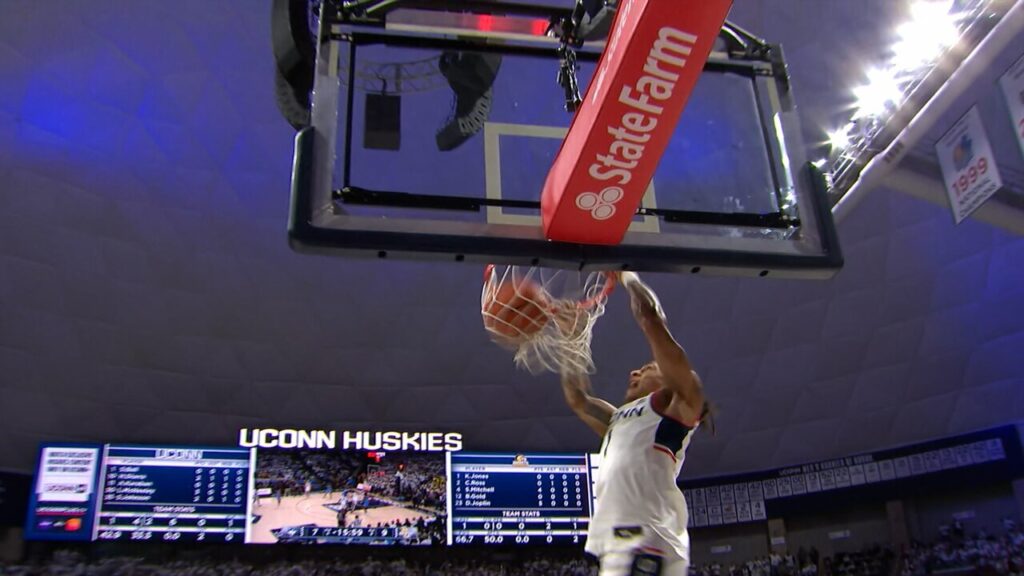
<point x="638" y="504"/>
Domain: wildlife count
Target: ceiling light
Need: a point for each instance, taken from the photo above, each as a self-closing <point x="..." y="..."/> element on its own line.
<point x="881" y="91"/>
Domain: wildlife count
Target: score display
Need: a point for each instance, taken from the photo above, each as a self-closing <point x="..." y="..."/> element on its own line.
<point x="329" y="535"/>
<point x="169" y="494"/>
<point x="321" y="496"/>
<point x="519" y="498"/>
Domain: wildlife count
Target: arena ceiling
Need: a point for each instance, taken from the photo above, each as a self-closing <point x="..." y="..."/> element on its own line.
<point x="147" y="292"/>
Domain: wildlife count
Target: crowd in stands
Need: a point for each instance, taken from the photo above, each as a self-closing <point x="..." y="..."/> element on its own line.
<point x="414" y="479"/>
<point x="987" y="553"/>
<point x="73" y="564"/>
<point x="803" y="563"/>
<point x="420" y="481"/>
<point x="955" y="552"/>
<point x="287" y="473"/>
<point x="981" y="553"/>
<point x="875" y="561"/>
<point x="331" y="470"/>
<point x="423" y="482"/>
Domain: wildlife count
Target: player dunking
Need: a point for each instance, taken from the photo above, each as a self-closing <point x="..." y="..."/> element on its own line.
<point x="639" y="522"/>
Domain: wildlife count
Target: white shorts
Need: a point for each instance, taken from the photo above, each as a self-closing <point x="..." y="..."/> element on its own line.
<point x="645" y="554"/>
<point x="641" y="563"/>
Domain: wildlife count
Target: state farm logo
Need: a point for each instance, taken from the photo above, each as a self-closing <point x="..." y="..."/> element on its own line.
<point x="600" y="205"/>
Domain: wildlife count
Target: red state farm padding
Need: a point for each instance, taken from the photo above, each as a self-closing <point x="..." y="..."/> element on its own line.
<point x="654" y="56"/>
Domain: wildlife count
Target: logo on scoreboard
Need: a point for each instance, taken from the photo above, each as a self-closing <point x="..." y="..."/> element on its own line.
<point x="350" y="440"/>
<point x="66" y="474"/>
<point x="65" y="488"/>
<point x="520" y="460"/>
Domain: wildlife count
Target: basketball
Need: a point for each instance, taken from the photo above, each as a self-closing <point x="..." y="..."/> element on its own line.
<point x="515" y="310"/>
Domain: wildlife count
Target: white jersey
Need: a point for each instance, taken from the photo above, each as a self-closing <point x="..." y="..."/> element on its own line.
<point x="638" y="503"/>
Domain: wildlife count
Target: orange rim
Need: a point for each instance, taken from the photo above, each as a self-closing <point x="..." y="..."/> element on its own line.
<point x="609" y="287"/>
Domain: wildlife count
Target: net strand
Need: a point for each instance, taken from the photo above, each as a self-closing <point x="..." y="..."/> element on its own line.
<point x="549" y="329"/>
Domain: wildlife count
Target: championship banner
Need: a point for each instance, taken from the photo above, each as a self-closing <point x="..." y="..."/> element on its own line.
<point x="756" y="496"/>
<point x="968" y="167"/>
<point x="1012" y="84"/>
<point x="654" y="56"/>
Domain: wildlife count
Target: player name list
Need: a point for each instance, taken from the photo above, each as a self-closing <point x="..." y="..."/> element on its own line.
<point x="173" y="494"/>
<point x="532" y="499"/>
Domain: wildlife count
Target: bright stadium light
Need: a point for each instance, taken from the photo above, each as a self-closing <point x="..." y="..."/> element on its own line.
<point x="881" y="91"/>
<point x="931" y="30"/>
<point x="839" y="139"/>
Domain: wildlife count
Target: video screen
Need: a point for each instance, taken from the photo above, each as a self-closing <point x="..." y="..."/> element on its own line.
<point x="508" y="498"/>
<point x="310" y="495"/>
<point x="339" y="497"/>
<point x="173" y="493"/>
<point x="62" y="504"/>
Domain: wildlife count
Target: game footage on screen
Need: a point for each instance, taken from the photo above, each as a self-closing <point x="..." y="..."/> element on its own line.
<point x="337" y="497"/>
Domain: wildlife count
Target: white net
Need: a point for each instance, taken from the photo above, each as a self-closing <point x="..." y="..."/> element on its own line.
<point x="546" y="317"/>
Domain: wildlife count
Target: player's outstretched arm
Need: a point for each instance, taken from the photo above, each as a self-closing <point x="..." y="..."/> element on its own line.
<point x="680" y="378"/>
<point x="594" y="412"/>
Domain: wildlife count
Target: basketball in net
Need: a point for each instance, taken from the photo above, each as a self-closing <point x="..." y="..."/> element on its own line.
<point x="546" y="317"/>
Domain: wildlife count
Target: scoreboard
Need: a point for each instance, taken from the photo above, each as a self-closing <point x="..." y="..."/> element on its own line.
<point x="519" y="498"/>
<point x="90" y="492"/>
<point x="407" y="496"/>
<point x="360" y="535"/>
<point x="168" y="494"/>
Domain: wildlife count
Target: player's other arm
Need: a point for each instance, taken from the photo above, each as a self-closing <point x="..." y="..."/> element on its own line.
<point x="594" y="412"/>
<point x="676" y="370"/>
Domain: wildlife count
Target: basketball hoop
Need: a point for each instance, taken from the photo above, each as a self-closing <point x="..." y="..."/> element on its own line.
<point x="546" y="317"/>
